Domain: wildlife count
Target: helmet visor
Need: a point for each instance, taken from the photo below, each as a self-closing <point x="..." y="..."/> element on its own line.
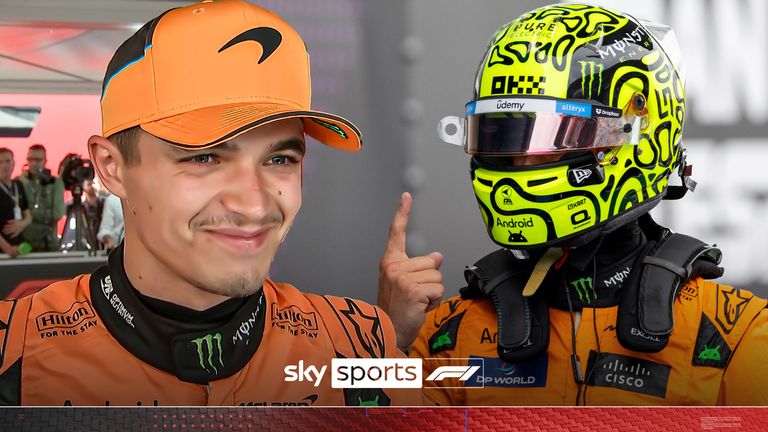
<point x="540" y="126"/>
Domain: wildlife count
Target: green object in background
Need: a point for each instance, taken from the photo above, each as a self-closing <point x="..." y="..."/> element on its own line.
<point x="25" y="248"/>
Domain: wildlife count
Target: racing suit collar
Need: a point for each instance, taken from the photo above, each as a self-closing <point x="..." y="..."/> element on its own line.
<point x="193" y="351"/>
<point x="214" y="315"/>
<point x="595" y="272"/>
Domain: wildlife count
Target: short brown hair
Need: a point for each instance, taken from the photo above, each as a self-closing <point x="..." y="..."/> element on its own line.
<point x="127" y="141"/>
<point x="37" y="147"/>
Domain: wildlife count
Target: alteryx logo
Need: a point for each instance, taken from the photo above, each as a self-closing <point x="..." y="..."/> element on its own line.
<point x="498" y="373"/>
<point x="209" y="352"/>
<point x="574" y="108"/>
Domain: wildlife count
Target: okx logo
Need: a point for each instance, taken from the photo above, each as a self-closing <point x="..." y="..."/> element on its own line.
<point x="591" y="78"/>
<point x="209" y="352"/>
<point x="583" y="286"/>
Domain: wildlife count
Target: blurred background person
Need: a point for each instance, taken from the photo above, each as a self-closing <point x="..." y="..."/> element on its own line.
<point x="93" y="207"/>
<point x="46" y="201"/>
<point x="111" y="228"/>
<point x="14" y="208"/>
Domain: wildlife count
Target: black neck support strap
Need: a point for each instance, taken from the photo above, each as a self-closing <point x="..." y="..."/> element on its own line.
<point x="645" y="316"/>
<point x="523" y="321"/>
<point x="645" y="319"/>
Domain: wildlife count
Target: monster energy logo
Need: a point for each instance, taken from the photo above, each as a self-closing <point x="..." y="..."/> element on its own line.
<point x="710" y="353"/>
<point x="590" y="69"/>
<point x="332" y="127"/>
<point x="583" y="286"/>
<point x="206" y="344"/>
<point x="443" y="339"/>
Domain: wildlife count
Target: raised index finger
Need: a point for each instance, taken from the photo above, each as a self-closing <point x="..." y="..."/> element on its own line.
<point x="396" y="242"/>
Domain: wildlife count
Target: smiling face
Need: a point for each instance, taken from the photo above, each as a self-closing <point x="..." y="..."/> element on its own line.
<point x="213" y="218"/>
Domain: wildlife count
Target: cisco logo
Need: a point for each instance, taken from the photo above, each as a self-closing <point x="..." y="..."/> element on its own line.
<point x="628" y="373"/>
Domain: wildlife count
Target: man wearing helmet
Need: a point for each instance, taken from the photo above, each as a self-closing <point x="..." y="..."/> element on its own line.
<point x="574" y="130"/>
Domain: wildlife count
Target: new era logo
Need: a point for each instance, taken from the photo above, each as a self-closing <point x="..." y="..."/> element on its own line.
<point x="580" y="174"/>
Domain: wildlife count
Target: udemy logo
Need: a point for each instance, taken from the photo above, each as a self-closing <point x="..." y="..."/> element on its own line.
<point x="267" y="37"/>
<point x="209" y="352"/>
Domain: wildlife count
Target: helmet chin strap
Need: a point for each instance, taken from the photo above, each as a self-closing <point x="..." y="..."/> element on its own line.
<point x="540" y="270"/>
<point x="556" y="257"/>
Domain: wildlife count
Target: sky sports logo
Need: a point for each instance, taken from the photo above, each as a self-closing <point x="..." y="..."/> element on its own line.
<point x="385" y="373"/>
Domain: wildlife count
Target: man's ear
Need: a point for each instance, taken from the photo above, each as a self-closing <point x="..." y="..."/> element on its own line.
<point x="109" y="164"/>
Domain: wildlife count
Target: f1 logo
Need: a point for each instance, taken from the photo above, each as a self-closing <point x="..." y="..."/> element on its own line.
<point x="463" y="373"/>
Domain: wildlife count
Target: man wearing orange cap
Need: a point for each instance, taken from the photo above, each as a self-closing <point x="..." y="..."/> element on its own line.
<point x="204" y="114"/>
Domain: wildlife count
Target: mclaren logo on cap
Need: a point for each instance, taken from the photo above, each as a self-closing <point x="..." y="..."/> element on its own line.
<point x="267" y="37"/>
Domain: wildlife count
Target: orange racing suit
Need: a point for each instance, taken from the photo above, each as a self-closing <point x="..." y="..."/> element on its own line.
<point x="716" y="352"/>
<point x="94" y="341"/>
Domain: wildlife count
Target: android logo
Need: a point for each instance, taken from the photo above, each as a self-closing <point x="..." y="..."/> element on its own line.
<point x="374" y="402"/>
<point x="517" y="237"/>
<point x="710" y="353"/>
<point x="443" y="339"/>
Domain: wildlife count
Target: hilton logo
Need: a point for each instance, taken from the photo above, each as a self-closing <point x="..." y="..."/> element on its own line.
<point x="76" y="314"/>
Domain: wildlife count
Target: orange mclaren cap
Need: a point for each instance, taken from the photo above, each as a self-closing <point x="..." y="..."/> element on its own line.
<point x="200" y="75"/>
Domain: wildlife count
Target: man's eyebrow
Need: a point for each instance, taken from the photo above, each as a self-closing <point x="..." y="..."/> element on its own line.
<point x="295" y="144"/>
<point x="226" y="146"/>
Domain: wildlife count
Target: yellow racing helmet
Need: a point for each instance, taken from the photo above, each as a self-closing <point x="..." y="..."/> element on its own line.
<point x="575" y="125"/>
